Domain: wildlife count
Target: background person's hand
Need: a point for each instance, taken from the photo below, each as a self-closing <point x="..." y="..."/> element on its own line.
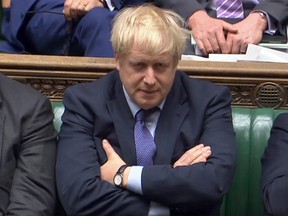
<point x="209" y="33"/>
<point x="75" y="9"/>
<point x="250" y="30"/>
<point x="6" y="3"/>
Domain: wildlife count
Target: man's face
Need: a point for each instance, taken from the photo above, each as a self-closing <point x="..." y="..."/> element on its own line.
<point x="147" y="79"/>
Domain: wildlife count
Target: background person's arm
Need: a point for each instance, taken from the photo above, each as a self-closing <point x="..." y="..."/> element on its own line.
<point x="184" y="8"/>
<point x="277" y="10"/>
<point x="275" y="169"/>
<point x="33" y="188"/>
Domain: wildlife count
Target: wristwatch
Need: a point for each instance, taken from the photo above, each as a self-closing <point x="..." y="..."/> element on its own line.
<point x="118" y="178"/>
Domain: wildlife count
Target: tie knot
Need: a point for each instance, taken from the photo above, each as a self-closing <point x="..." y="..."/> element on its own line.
<point x="142" y="114"/>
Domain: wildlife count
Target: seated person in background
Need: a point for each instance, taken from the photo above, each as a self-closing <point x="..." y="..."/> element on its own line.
<point x="215" y="35"/>
<point x="59" y="27"/>
<point x="275" y="169"/>
<point x="28" y="151"/>
<point x="146" y="139"/>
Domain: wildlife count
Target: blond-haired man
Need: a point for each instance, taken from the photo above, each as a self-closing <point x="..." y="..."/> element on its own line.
<point x="177" y="160"/>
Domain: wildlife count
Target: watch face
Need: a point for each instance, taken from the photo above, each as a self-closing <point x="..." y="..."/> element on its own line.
<point x="118" y="180"/>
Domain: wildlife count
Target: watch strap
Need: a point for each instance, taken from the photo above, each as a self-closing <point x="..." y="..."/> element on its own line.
<point x="119" y="173"/>
<point x="122" y="169"/>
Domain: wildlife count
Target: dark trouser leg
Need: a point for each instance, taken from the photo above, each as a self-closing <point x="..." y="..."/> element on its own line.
<point x="45" y="31"/>
<point x="92" y="34"/>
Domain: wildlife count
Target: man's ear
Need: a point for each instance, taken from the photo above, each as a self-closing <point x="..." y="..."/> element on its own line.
<point x="117" y="61"/>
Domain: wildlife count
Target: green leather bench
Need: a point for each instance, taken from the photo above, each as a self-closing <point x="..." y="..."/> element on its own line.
<point x="252" y="127"/>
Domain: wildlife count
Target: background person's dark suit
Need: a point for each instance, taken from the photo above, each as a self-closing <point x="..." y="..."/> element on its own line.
<point x="277" y="9"/>
<point x="194" y="112"/>
<point x="275" y="168"/>
<point x="27" y="151"/>
<point x="39" y="27"/>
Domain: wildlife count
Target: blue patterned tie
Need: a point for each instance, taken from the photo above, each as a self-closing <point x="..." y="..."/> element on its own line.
<point x="229" y="9"/>
<point x="145" y="145"/>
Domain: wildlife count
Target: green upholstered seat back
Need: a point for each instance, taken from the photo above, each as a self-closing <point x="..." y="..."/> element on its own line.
<point x="252" y="127"/>
<point x="58" y="110"/>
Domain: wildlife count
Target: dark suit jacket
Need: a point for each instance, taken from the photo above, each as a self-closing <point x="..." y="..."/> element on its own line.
<point x="275" y="168"/>
<point x="276" y="9"/>
<point x="13" y="20"/>
<point x="27" y="151"/>
<point x="194" y="112"/>
<point x="48" y="32"/>
<point x="16" y="19"/>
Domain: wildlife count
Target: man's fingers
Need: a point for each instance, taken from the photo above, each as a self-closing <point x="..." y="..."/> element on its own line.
<point x="229" y="27"/>
<point x="191" y="155"/>
<point x="66" y="10"/>
<point x="201" y="47"/>
<point x="203" y="157"/>
<point x="107" y="148"/>
<point x="221" y="40"/>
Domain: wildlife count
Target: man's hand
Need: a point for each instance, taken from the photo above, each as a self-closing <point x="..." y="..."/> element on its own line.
<point x="6" y="3"/>
<point x="250" y="30"/>
<point x="75" y="9"/>
<point x="109" y="169"/>
<point x="197" y="154"/>
<point x="209" y="33"/>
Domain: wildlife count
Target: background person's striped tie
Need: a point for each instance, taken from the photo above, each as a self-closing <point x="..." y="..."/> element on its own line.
<point x="229" y="9"/>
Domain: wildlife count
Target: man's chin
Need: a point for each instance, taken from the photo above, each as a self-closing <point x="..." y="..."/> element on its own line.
<point x="147" y="104"/>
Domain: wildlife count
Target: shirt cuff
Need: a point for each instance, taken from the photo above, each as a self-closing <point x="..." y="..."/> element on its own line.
<point x="271" y="28"/>
<point x="110" y="5"/>
<point x="134" y="180"/>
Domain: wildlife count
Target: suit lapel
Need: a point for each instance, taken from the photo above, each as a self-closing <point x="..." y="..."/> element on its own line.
<point x="173" y="114"/>
<point x="124" y="124"/>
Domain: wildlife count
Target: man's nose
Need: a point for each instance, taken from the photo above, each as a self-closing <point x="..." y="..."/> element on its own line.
<point x="149" y="77"/>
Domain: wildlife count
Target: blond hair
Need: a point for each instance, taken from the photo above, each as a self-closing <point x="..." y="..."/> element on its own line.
<point x="153" y="30"/>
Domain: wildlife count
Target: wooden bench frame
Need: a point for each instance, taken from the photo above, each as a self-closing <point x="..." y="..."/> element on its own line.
<point x="252" y="84"/>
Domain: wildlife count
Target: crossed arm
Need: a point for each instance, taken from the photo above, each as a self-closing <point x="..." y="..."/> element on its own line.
<point x="197" y="154"/>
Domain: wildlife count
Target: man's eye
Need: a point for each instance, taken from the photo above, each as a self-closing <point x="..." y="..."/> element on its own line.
<point x="138" y="65"/>
<point x="161" y="66"/>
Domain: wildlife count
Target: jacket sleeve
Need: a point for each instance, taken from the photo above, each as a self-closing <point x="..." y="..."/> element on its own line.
<point x="275" y="169"/>
<point x="33" y="187"/>
<point x="277" y="10"/>
<point x="81" y="189"/>
<point x="184" y="8"/>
